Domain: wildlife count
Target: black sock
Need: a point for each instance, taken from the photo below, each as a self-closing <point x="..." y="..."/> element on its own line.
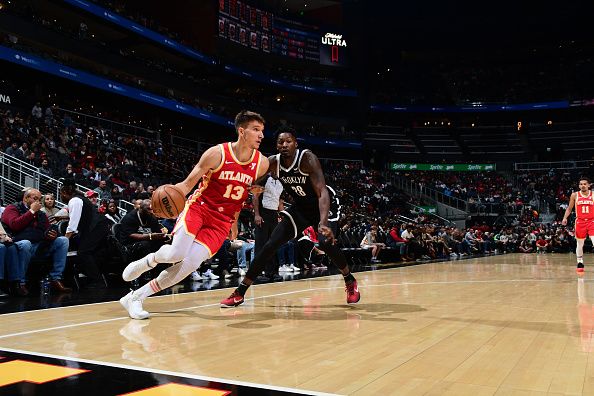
<point x="242" y="288"/>
<point x="580" y="264"/>
<point x="348" y="278"/>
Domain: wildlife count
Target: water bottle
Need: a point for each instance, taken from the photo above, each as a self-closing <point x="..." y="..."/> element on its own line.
<point x="45" y="286"/>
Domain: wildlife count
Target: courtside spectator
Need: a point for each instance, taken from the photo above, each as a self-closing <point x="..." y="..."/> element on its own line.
<point x="141" y="232"/>
<point x="26" y="222"/>
<point x="87" y="228"/>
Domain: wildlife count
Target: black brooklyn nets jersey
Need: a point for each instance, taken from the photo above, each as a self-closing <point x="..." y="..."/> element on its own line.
<point x="299" y="186"/>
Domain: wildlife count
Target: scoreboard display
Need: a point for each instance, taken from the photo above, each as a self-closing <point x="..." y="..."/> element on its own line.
<point x="261" y="30"/>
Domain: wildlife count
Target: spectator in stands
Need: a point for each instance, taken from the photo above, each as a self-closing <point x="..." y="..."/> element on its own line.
<point x="113" y="213"/>
<point x="450" y="244"/>
<point x="525" y="245"/>
<point x="87" y="229"/>
<point x="93" y="196"/>
<point x="140" y="192"/>
<point x="49" y="208"/>
<point x="471" y="240"/>
<point x="413" y="247"/>
<point x="37" y="112"/>
<point x="24" y="149"/>
<point x="103" y="191"/>
<point x="502" y="242"/>
<point x="370" y="241"/>
<point x="130" y="191"/>
<point x="14" y="151"/>
<point x="141" y="232"/>
<point x="286" y="257"/>
<point x="26" y="222"/>
<point x="45" y="169"/>
<point x="69" y="173"/>
<point x="103" y="204"/>
<point x="31" y="159"/>
<point x="13" y="265"/>
<point x="541" y="245"/>
<point x="116" y="195"/>
<point x="245" y="234"/>
<point x="394" y="240"/>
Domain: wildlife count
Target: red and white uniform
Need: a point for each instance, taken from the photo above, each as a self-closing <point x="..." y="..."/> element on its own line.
<point x="584" y="211"/>
<point x="211" y="210"/>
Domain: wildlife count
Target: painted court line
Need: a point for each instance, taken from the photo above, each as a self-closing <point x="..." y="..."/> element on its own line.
<point x="167" y="295"/>
<point x="126" y="317"/>
<point x="401" y="268"/>
<point x="173" y="373"/>
<point x="262" y="297"/>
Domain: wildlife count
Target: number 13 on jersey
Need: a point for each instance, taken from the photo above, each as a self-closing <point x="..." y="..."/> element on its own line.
<point x="234" y="192"/>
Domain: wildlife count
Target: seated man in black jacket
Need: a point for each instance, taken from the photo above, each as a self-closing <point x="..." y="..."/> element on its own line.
<point x="88" y="229"/>
<point x="140" y="231"/>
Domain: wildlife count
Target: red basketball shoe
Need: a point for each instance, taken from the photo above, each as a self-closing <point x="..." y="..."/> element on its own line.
<point x="352" y="290"/>
<point x="580" y="268"/>
<point x="233" y="300"/>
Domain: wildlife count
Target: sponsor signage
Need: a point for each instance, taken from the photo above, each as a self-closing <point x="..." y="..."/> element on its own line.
<point x="443" y="167"/>
<point x="333" y="50"/>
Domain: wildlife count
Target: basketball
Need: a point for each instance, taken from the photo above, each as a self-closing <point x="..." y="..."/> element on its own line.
<point x="168" y="202"/>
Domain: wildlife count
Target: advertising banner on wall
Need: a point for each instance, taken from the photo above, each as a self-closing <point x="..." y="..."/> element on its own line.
<point x="443" y="167"/>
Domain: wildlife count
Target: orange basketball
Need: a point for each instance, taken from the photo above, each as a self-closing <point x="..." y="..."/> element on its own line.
<point x="167" y="202"/>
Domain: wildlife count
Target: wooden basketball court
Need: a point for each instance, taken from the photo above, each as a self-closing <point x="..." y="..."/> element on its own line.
<point x="499" y="325"/>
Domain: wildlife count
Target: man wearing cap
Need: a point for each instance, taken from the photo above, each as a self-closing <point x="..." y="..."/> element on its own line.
<point x="93" y="196"/>
<point x="88" y="228"/>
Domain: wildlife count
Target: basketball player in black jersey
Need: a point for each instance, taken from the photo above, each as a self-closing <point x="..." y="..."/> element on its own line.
<point x="301" y="174"/>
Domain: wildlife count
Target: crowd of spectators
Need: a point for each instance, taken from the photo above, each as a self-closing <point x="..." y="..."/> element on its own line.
<point x="116" y="166"/>
<point x="546" y="191"/>
<point x="424" y="239"/>
<point x="94" y="157"/>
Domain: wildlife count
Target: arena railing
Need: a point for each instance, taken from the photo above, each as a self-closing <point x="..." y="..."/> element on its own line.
<point x="188" y="145"/>
<point x="15" y="175"/>
<point x="420" y="210"/>
<point x="115" y="126"/>
<point x="415" y="189"/>
<point x="534" y="166"/>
